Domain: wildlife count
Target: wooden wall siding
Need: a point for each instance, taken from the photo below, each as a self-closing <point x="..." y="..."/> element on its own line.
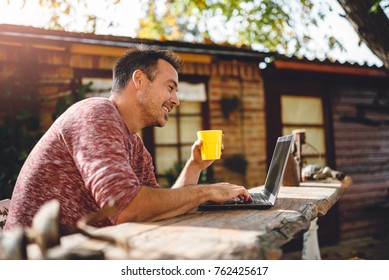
<point x="92" y="62"/>
<point x="362" y="151"/>
<point x="53" y="58"/>
<point x="244" y="131"/>
<point x="245" y="70"/>
<point x="8" y="54"/>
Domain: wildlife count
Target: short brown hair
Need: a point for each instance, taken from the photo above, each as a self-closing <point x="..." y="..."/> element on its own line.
<point x="144" y="58"/>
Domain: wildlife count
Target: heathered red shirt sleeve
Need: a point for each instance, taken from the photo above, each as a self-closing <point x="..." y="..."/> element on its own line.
<point x="85" y="160"/>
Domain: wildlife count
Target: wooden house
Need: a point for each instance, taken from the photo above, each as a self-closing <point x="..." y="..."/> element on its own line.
<point x="343" y="108"/>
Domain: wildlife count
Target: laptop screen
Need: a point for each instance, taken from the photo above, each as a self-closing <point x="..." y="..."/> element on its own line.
<point x="277" y="167"/>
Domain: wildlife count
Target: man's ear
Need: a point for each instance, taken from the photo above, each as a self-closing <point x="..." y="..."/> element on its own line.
<point x="138" y="78"/>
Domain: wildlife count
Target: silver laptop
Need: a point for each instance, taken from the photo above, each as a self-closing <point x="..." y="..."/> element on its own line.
<point x="267" y="198"/>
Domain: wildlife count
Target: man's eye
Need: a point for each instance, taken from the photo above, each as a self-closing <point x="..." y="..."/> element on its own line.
<point x="170" y="88"/>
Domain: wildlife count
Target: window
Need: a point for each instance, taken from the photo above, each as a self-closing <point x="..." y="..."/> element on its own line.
<point x="306" y="112"/>
<point x="171" y="144"/>
<point x="174" y="141"/>
<point x="99" y="87"/>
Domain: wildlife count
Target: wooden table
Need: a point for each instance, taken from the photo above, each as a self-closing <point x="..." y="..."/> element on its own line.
<point x="225" y="234"/>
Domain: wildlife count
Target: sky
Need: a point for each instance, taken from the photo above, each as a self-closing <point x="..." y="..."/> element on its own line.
<point x="128" y="13"/>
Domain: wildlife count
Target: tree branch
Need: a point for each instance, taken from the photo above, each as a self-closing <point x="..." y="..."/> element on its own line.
<point x="372" y="27"/>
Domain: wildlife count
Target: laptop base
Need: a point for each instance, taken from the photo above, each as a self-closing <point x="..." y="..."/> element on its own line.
<point x="229" y="206"/>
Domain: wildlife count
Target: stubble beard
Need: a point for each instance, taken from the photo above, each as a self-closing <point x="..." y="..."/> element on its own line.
<point x="151" y="113"/>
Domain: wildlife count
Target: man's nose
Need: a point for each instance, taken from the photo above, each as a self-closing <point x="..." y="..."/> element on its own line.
<point x="174" y="99"/>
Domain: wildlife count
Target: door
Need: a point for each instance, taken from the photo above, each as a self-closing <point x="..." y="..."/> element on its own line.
<point x="298" y="101"/>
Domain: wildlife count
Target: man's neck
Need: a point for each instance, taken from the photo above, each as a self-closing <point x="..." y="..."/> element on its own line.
<point x="130" y="115"/>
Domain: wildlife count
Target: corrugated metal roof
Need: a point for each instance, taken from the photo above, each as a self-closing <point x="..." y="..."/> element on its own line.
<point x="19" y="32"/>
<point x="327" y="61"/>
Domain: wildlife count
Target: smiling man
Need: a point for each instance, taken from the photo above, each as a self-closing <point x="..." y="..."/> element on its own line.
<point x="91" y="155"/>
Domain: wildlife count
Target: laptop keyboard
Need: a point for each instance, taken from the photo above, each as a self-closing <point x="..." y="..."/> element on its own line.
<point x="257" y="197"/>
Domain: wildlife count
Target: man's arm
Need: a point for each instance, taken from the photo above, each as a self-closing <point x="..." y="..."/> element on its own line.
<point x="191" y="172"/>
<point x="151" y="204"/>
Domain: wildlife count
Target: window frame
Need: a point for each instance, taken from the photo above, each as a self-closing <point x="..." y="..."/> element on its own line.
<point x="307" y="126"/>
<point x="149" y="135"/>
<point x="292" y="84"/>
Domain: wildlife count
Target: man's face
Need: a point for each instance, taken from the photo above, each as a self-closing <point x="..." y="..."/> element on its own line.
<point x="160" y="95"/>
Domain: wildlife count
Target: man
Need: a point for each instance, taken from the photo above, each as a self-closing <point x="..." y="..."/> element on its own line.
<point x="92" y="155"/>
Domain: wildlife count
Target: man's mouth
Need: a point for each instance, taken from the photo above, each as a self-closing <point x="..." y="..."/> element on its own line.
<point x="166" y="108"/>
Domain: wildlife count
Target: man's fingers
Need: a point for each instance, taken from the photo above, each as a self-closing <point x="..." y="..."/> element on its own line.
<point x="248" y="197"/>
<point x="245" y="196"/>
<point x="243" y="193"/>
<point x="197" y="143"/>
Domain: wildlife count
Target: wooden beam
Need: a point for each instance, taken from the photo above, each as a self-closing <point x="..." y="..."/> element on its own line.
<point x="97" y="50"/>
<point x="49" y="47"/>
<point x="118" y="51"/>
<point x="198" y="58"/>
<point x="14" y="44"/>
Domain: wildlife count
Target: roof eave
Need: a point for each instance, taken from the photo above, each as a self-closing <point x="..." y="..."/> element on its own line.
<point x="39" y="34"/>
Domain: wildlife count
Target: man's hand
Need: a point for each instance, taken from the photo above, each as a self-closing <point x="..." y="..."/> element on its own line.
<point x="222" y="192"/>
<point x="192" y="169"/>
<point x="196" y="156"/>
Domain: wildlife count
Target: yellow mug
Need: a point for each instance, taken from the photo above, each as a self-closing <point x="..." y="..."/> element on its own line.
<point x="212" y="144"/>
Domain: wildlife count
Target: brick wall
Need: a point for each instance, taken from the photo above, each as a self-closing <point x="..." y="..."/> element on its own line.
<point x="244" y="131"/>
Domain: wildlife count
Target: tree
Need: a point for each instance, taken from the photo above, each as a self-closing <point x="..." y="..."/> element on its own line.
<point x="372" y="25"/>
<point x="268" y="25"/>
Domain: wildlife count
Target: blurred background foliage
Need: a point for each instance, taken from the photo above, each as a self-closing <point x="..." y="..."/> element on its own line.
<point x="20" y="120"/>
<point x="282" y="26"/>
<point x="19" y="124"/>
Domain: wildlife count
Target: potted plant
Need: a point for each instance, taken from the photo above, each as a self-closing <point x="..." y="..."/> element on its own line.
<point x="229" y="105"/>
<point x="236" y="163"/>
<point x="172" y="174"/>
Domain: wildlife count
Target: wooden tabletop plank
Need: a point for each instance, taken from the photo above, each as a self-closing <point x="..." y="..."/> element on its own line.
<point x="223" y="234"/>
